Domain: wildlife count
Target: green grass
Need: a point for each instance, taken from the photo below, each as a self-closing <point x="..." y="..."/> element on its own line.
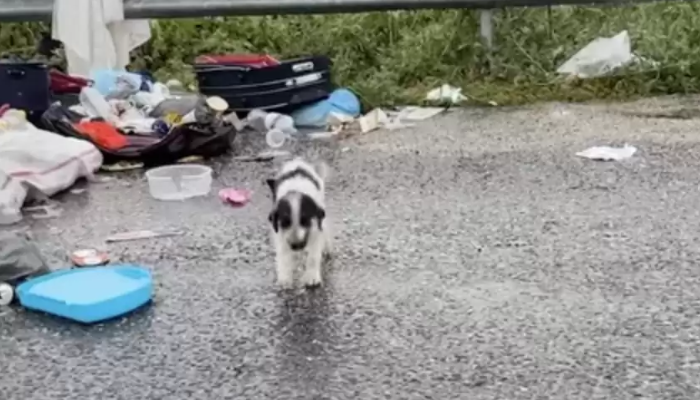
<point x="395" y="57"/>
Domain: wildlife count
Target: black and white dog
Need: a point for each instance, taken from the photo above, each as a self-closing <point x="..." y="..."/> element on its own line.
<point x="298" y="219"/>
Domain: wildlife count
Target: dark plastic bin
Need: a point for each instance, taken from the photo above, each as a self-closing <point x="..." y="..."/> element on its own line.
<point x="25" y="86"/>
<point x="287" y="86"/>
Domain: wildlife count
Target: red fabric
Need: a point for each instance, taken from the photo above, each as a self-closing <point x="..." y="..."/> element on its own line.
<point x="103" y="134"/>
<point x="63" y="83"/>
<point x="250" y="60"/>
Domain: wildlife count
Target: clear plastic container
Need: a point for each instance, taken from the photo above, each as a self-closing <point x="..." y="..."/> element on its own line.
<point x="179" y="182"/>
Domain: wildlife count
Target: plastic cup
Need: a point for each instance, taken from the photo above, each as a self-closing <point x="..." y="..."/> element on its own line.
<point x="275" y="138"/>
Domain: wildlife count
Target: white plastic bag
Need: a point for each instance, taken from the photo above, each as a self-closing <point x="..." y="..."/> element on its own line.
<point x="600" y="57"/>
<point x="41" y="160"/>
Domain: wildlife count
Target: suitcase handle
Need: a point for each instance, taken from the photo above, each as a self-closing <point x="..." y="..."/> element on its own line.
<point x="16" y="73"/>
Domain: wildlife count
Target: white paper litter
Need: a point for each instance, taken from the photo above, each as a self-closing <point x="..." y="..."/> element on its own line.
<point x="600" y="57"/>
<point x="446" y="93"/>
<point x="373" y="120"/>
<point x="607" y="153"/>
<point x="413" y="113"/>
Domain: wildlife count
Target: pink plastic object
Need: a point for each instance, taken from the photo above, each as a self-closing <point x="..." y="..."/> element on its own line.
<point x="235" y="197"/>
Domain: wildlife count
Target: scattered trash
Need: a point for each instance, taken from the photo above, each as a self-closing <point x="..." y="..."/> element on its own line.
<point x="122" y="166"/>
<point x="373" y="120"/>
<point x="46" y="211"/>
<point x="277" y="127"/>
<point x="78" y="191"/>
<point x="419" y="113"/>
<point x="20" y="259"/>
<point x="446" y="93"/>
<point x="264" y="156"/>
<point x="235" y="197"/>
<point x="140" y="235"/>
<point x="606" y="153"/>
<point x="339" y="119"/>
<point x="321" y="135"/>
<point x="319" y="115"/>
<point x="600" y="57"/>
<point x="89" y="258"/>
<point x="7" y="294"/>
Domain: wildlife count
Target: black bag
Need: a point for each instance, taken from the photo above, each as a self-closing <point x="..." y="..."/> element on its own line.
<point x="182" y="141"/>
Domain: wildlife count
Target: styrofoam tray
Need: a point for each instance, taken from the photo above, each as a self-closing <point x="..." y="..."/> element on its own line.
<point x="88" y="295"/>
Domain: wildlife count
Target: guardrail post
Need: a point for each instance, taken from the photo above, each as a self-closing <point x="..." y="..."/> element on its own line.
<point x="486" y="28"/>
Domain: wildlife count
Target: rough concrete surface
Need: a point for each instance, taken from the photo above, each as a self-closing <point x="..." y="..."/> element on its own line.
<point x="477" y="258"/>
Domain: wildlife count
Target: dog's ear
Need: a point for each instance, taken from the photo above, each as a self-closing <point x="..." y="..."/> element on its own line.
<point x="271" y="183"/>
<point x="272" y="217"/>
<point x="320" y="215"/>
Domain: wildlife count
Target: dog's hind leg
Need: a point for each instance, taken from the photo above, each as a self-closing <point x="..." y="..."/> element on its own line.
<point x="314" y="257"/>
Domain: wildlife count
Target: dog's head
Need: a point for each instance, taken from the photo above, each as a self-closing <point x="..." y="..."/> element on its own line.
<point x="295" y="217"/>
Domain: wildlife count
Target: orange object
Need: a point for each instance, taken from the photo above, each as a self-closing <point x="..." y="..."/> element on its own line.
<point x="103" y="134"/>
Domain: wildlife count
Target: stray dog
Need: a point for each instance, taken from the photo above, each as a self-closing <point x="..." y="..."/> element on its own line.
<point x="298" y="219"/>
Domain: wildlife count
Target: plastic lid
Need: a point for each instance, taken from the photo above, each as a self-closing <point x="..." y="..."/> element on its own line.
<point x="216" y="103"/>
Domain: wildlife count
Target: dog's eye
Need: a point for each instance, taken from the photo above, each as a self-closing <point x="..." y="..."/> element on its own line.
<point x="305" y="222"/>
<point x="285" y="223"/>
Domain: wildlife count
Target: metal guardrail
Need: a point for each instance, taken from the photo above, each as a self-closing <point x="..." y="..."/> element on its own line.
<point x="40" y="10"/>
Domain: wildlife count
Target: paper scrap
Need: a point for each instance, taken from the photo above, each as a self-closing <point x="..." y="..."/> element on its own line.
<point x="373" y="120"/>
<point x="607" y="153"/>
<point x="413" y="113"/>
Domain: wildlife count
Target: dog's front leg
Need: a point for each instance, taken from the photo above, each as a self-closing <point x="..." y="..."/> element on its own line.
<point x="314" y="257"/>
<point x="285" y="265"/>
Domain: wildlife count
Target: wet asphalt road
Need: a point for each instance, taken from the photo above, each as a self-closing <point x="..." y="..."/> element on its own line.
<point x="477" y="258"/>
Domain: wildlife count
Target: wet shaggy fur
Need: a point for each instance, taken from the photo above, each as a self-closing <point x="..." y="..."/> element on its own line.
<point x="299" y="222"/>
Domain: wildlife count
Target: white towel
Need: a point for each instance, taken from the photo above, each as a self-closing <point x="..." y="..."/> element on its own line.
<point x="95" y="35"/>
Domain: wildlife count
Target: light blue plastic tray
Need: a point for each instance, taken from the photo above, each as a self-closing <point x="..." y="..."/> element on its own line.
<point x="88" y="295"/>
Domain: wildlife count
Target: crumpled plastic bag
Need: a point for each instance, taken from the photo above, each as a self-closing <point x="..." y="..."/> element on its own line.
<point x="600" y="57"/>
<point x="446" y="93"/>
<point x="19" y="257"/>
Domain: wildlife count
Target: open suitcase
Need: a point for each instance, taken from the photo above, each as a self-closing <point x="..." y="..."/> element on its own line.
<point x="250" y="82"/>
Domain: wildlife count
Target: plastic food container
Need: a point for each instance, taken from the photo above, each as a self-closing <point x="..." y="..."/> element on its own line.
<point x="179" y="182"/>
